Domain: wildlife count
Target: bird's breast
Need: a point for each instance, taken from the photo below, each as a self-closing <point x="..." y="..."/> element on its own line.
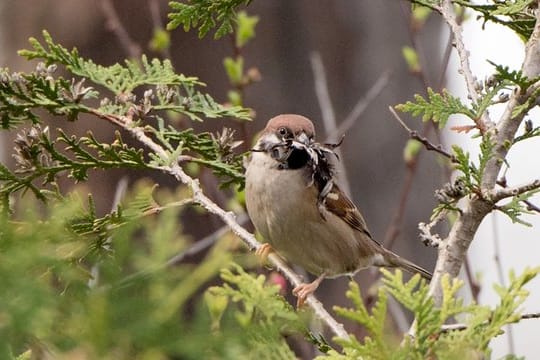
<point x="282" y="204"/>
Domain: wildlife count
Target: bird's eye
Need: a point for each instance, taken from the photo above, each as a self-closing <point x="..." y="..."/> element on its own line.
<point x="282" y="131"/>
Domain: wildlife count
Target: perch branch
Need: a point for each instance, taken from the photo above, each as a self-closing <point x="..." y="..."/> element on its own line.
<point x="228" y="217"/>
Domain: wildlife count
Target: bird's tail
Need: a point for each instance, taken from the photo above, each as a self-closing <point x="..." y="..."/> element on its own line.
<point x="394" y="260"/>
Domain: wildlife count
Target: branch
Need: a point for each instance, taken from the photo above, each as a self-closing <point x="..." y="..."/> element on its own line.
<point x="506" y="192"/>
<point x="460" y="327"/>
<point x="500" y="273"/>
<point x="328" y="114"/>
<point x="447" y="12"/>
<point x="158" y="24"/>
<point x="205" y="242"/>
<point x="360" y="107"/>
<point x="530" y="205"/>
<point x="115" y="25"/>
<point x="228" y="217"/>
<point x="426" y="236"/>
<point x="474" y="209"/>
<point x="427" y="144"/>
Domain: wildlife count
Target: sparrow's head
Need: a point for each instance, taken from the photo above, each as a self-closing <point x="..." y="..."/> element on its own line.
<point x="291" y="127"/>
<point x="287" y="139"/>
<point x="288" y="128"/>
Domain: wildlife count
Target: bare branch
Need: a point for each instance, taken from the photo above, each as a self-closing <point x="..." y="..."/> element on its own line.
<point x="426" y="236"/>
<point x="506" y="192"/>
<point x="205" y="242"/>
<point x="360" y="107"/>
<point x="115" y="25"/>
<point x="228" y="217"/>
<point x="427" y="144"/>
<point x="459" y="327"/>
<point x="328" y="114"/>
<point x="500" y="273"/>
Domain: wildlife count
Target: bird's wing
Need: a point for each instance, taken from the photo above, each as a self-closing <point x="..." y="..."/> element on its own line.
<point x="339" y="204"/>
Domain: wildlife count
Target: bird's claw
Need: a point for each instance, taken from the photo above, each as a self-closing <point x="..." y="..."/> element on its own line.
<point x="302" y="291"/>
<point x="263" y="251"/>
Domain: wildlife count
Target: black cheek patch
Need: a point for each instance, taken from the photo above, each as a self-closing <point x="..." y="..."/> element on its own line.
<point x="297" y="159"/>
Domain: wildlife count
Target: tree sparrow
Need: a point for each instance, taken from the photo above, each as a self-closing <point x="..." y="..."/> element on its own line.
<point x="293" y="201"/>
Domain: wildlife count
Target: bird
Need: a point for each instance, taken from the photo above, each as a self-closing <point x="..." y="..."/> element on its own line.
<point x="294" y="202"/>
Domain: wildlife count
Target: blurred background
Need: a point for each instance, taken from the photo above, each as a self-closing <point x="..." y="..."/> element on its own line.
<point x="359" y="44"/>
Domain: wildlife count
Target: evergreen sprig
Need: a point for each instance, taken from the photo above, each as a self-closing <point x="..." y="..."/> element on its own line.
<point x="117" y="78"/>
<point x="215" y="151"/>
<point x="376" y="344"/>
<point x="518" y="15"/>
<point x="263" y="314"/>
<point x="168" y="90"/>
<point x="21" y="95"/>
<point x="515" y="77"/>
<point x="205" y="15"/>
<point x="469" y="181"/>
<point x="516" y="208"/>
<point x="481" y="324"/>
<point x="436" y="107"/>
<point x="46" y="263"/>
<point x="40" y="159"/>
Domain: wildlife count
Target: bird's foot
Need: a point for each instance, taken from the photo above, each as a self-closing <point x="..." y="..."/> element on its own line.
<point x="263" y="251"/>
<point x="303" y="290"/>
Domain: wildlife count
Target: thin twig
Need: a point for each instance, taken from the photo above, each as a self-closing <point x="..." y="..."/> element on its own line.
<point x="460" y="327"/>
<point x="229" y="218"/>
<point x="158" y="24"/>
<point x="500" y="274"/>
<point x="115" y="25"/>
<point x="412" y="165"/>
<point x="360" y="107"/>
<point x="426" y="236"/>
<point x="473" y="284"/>
<point x="427" y="144"/>
<point x="119" y="193"/>
<point x="205" y="242"/>
<point x="196" y="248"/>
<point x="328" y="114"/>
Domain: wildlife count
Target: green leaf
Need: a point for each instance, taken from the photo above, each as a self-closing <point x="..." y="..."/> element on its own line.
<point x="205" y="15"/>
<point x="411" y="150"/>
<point x="411" y="58"/>
<point x="463" y="165"/>
<point x="161" y="40"/>
<point x="420" y="14"/>
<point x="245" y="28"/>
<point x="436" y="107"/>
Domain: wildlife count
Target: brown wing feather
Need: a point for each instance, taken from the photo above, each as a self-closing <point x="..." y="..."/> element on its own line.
<point x="339" y="204"/>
